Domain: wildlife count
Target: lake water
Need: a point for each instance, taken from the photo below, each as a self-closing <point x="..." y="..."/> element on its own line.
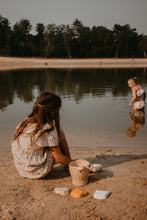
<point x="95" y="109"/>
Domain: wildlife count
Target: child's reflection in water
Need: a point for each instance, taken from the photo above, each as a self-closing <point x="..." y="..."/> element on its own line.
<point x="138" y="121"/>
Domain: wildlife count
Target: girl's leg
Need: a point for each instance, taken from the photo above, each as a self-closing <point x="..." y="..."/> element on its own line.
<point x="134" y="108"/>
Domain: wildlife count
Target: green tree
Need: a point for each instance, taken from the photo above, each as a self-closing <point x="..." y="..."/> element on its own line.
<point x="68" y="40"/>
<point x="75" y="40"/>
<point x="5" y="33"/>
<point x="50" y="39"/>
<point x="40" y="39"/>
<point x="54" y="41"/>
<point x="142" y="46"/>
<point x="21" y="38"/>
<point x="125" y="39"/>
<point x="117" y="30"/>
<point x="102" y="44"/>
<point x="81" y="39"/>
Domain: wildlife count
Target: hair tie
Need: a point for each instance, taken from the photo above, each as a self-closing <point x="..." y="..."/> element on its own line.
<point x="42" y="106"/>
<point x="46" y="107"/>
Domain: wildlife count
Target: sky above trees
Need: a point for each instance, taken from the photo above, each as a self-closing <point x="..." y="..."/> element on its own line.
<point x="92" y="12"/>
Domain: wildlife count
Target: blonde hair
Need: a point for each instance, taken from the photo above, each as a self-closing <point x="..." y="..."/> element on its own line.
<point x="134" y="79"/>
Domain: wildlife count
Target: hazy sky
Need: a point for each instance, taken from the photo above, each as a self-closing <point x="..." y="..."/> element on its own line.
<point x="90" y="12"/>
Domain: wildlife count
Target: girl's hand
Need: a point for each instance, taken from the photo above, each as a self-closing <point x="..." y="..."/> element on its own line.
<point x="130" y="104"/>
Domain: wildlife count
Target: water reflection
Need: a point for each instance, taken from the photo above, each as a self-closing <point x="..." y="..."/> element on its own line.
<point x="71" y="84"/>
<point x="137" y="122"/>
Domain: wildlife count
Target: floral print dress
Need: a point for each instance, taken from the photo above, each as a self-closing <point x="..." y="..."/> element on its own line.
<point x="34" y="160"/>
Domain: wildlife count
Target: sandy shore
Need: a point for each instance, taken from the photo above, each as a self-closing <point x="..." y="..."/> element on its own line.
<point x="8" y="63"/>
<point x="124" y="176"/>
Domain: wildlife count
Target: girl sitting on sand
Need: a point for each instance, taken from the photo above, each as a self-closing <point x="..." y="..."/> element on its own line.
<point x="138" y="93"/>
<point x="39" y="140"/>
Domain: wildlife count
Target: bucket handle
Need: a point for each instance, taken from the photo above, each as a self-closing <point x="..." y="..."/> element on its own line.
<point x="82" y="168"/>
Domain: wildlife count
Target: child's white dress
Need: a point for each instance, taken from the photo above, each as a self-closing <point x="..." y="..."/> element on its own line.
<point x="140" y="94"/>
<point x="34" y="161"/>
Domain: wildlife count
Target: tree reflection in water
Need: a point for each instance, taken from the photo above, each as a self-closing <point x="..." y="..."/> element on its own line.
<point x="75" y="83"/>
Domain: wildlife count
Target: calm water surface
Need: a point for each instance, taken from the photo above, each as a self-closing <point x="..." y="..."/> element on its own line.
<point x="95" y="109"/>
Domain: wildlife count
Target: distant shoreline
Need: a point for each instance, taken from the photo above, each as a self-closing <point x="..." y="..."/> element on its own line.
<point x="10" y="63"/>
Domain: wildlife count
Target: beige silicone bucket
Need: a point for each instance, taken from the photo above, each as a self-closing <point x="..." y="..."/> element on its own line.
<point x="79" y="171"/>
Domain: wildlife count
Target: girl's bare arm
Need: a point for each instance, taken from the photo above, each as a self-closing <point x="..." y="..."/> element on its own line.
<point x="59" y="157"/>
<point x="134" y="96"/>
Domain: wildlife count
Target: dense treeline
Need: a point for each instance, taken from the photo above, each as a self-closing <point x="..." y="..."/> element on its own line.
<point x="70" y="41"/>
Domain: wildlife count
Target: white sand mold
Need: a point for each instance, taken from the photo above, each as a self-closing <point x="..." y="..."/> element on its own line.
<point x="64" y="191"/>
<point x="96" y="167"/>
<point x="99" y="194"/>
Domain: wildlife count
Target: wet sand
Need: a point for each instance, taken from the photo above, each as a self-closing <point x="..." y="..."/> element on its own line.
<point x="8" y="63"/>
<point x="124" y="176"/>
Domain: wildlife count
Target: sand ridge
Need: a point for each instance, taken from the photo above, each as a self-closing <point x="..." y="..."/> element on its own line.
<point x="8" y="63"/>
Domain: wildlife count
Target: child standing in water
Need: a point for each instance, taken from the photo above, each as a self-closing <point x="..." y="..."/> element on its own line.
<point x="138" y="93"/>
<point x="39" y="140"/>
